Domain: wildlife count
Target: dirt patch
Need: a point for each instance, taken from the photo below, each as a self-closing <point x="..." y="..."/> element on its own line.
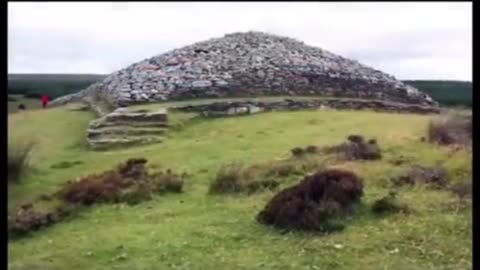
<point x="315" y="203"/>
<point x="432" y="176"/>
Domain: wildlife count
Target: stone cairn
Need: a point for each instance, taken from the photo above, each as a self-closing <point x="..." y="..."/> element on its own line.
<point x="251" y="64"/>
<point x="244" y="65"/>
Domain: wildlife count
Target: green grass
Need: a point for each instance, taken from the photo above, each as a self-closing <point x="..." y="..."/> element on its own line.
<point x="194" y="230"/>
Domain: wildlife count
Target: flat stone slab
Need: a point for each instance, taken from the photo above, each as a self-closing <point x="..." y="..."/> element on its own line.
<point x="156" y="116"/>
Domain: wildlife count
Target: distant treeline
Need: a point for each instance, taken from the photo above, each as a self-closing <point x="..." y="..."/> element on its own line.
<point x="450" y="93"/>
<point x="54" y="85"/>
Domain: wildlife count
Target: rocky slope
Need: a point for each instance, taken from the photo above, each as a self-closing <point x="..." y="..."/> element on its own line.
<point x="248" y="64"/>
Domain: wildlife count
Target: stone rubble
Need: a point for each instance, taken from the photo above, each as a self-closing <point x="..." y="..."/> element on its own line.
<point x="243" y="65"/>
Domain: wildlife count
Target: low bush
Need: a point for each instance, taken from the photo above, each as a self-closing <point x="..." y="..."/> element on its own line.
<point x="237" y="177"/>
<point x="228" y="179"/>
<point x="66" y="164"/>
<point x="281" y="169"/>
<point x="18" y="160"/>
<point x="316" y="203"/>
<point x="356" y="149"/>
<point x="94" y="188"/>
<point x="167" y="181"/>
<point x="432" y="176"/>
<point x="297" y="151"/>
<point x="311" y="149"/>
<point x="130" y="182"/>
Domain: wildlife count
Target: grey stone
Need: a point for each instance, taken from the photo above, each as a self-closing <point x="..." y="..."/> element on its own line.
<point x="201" y="84"/>
<point x="246" y="64"/>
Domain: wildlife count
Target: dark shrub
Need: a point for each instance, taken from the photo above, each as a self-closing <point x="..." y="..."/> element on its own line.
<point x="315" y="203"/>
<point x="450" y="130"/>
<point x="356" y="138"/>
<point x="66" y="164"/>
<point x="21" y="107"/>
<point x="134" y="168"/>
<point x="297" y="151"/>
<point x="167" y="181"/>
<point x="389" y="205"/>
<point x="356" y="149"/>
<point x="280" y="169"/>
<point x="18" y="155"/>
<point x="311" y="149"/>
<point x="261" y="185"/>
<point x="433" y="176"/>
<point x="95" y="188"/>
<point x="136" y="194"/>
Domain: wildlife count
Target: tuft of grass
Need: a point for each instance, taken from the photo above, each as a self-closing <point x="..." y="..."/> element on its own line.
<point x="237" y="177"/>
<point x="450" y="129"/>
<point x="18" y="160"/>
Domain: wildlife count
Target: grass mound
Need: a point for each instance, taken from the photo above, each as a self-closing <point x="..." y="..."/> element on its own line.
<point x="450" y="129"/>
<point x="314" y="203"/>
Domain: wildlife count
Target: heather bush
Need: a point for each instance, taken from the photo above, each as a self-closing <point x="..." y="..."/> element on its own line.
<point x="316" y="203"/>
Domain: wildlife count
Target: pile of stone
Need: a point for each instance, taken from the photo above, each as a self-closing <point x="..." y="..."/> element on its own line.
<point x="123" y="128"/>
<point x="250" y="107"/>
<point x="248" y="64"/>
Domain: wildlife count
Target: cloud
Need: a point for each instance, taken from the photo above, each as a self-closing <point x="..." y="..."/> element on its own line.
<point x="408" y="40"/>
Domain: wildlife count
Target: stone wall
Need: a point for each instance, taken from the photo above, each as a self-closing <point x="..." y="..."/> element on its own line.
<point x="250" y="107"/>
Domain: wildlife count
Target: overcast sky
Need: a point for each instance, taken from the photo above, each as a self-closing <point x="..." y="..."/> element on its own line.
<point x="408" y="40"/>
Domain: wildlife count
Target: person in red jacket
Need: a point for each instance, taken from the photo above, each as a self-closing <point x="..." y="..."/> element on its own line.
<point x="44" y="101"/>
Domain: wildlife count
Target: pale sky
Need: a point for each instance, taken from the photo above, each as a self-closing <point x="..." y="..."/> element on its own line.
<point x="407" y="40"/>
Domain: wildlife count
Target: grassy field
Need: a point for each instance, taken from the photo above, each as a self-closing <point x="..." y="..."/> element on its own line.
<point x="194" y="230"/>
<point x="30" y="103"/>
